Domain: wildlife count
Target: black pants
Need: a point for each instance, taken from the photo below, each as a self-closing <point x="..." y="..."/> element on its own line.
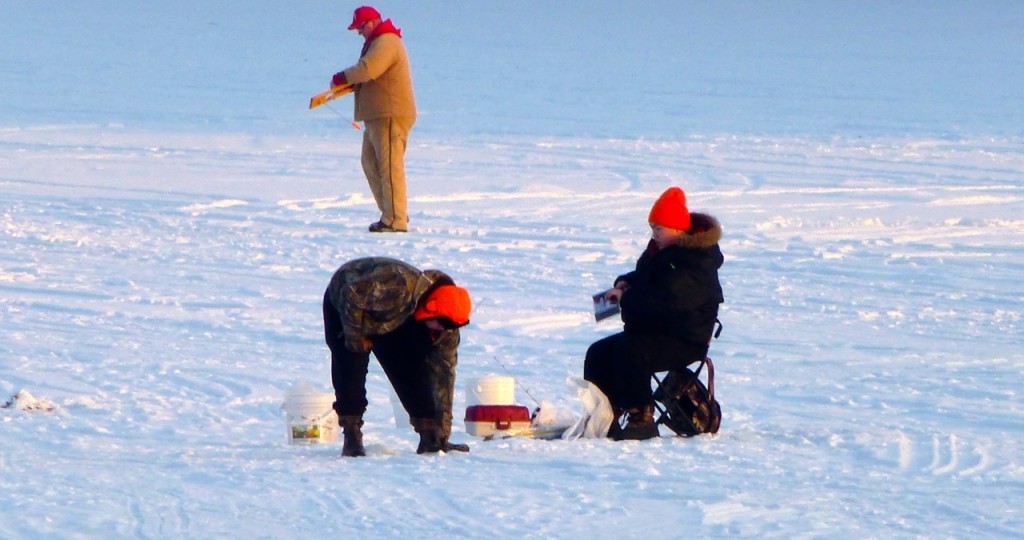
<point x="621" y="364"/>
<point x="403" y="355"/>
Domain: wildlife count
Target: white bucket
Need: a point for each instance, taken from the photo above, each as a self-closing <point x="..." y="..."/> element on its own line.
<point x="309" y="415"/>
<point x="492" y="390"/>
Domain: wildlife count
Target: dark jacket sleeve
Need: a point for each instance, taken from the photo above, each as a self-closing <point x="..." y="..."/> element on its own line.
<point x="677" y="293"/>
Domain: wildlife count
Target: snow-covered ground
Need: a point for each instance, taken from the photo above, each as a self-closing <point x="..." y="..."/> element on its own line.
<point x="170" y="213"/>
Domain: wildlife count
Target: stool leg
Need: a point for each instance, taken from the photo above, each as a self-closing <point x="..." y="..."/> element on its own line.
<point x="671" y="413"/>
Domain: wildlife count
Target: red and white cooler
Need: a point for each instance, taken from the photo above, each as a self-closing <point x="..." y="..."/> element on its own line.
<point x="486" y="420"/>
<point x="491" y="407"/>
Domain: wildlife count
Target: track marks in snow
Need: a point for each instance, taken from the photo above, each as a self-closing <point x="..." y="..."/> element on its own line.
<point x="943" y="455"/>
<point x="911" y="453"/>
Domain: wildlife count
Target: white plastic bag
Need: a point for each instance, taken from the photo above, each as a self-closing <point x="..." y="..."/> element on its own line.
<point x="597" y="412"/>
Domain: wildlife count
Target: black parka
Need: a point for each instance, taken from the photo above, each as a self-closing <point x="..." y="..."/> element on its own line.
<point x="675" y="291"/>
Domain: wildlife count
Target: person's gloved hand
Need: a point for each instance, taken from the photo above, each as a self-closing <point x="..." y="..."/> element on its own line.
<point x="338" y="79"/>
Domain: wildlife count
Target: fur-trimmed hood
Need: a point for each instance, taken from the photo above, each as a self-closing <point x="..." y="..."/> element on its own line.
<point x="705" y="231"/>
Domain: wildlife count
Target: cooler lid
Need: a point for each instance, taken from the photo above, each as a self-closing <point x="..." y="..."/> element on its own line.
<point x="493" y="413"/>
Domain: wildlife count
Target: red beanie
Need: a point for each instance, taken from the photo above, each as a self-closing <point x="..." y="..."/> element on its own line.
<point x="362" y="15"/>
<point x="670" y="210"/>
<point x="448" y="301"/>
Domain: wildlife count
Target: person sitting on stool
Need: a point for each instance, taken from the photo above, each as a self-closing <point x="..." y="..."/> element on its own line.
<point x="669" y="305"/>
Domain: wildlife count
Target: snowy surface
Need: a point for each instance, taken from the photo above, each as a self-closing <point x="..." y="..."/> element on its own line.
<point x="170" y="213"/>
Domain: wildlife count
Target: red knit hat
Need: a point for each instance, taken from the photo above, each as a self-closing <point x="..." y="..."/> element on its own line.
<point x="670" y="210"/>
<point x="448" y="301"/>
<point x="362" y="15"/>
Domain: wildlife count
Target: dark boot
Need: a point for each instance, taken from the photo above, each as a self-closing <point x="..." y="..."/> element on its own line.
<point x="453" y="447"/>
<point x="444" y="432"/>
<point x="432" y="440"/>
<point x="639" y="425"/>
<point x="428" y="443"/>
<point x="353" y="445"/>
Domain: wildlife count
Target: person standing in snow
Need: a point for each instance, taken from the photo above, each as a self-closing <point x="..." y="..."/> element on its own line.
<point x="409" y="319"/>
<point x="669" y="308"/>
<point x="384" y="102"/>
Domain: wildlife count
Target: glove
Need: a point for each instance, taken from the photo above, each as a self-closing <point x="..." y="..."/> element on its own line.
<point x="338" y="79"/>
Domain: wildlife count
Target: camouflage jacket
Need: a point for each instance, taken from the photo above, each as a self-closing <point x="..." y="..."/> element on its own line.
<point x="375" y="295"/>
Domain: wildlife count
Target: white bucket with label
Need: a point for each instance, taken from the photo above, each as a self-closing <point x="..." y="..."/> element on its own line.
<point x="492" y="390"/>
<point x="309" y="415"/>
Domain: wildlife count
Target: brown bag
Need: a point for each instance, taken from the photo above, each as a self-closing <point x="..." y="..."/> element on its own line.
<point x="689" y="407"/>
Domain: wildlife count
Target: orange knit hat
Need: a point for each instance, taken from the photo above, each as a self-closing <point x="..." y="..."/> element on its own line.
<point x="448" y="301"/>
<point x="670" y="210"/>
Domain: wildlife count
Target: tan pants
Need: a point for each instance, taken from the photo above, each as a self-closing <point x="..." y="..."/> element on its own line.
<point x="383" y="159"/>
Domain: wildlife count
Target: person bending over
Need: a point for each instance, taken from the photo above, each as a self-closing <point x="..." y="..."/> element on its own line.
<point x="409" y="319"/>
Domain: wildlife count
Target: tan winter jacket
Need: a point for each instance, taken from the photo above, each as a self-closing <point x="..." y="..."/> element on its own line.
<point x="383" y="81"/>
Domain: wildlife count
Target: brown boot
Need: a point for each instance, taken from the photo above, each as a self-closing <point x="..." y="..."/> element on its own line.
<point x="639" y="426"/>
<point x="427" y="428"/>
<point x="431" y="438"/>
<point x="353" y="445"/>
